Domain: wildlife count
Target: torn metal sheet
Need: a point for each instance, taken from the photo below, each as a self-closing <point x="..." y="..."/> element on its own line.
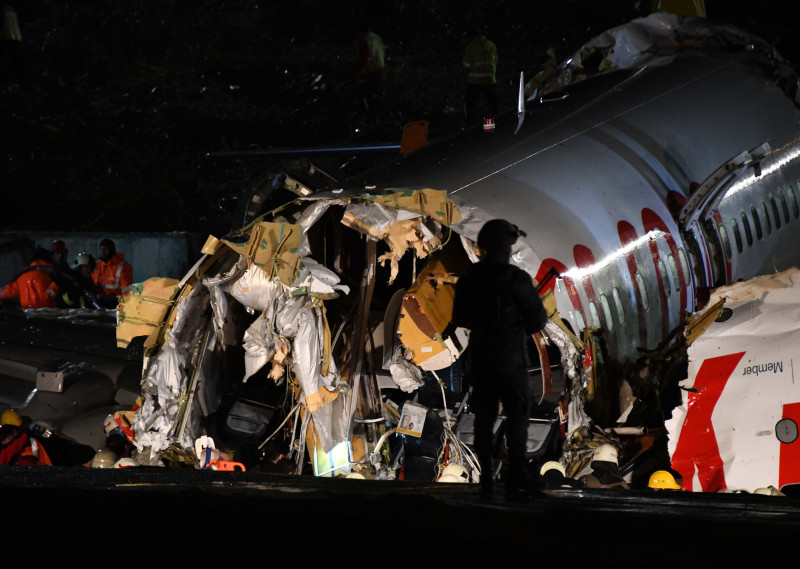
<point x="737" y="426"/>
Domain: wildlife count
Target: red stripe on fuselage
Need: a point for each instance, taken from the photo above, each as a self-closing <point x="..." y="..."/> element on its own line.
<point x="789" y="469"/>
<point x="662" y="293"/>
<point x="697" y="445"/>
<point x="627" y="235"/>
<point x="653" y="222"/>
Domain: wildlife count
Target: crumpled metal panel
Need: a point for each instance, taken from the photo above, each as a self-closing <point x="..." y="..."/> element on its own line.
<point x="737" y="425"/>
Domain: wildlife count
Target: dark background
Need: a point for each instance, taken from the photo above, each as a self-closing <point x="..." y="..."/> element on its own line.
<point x="120" y="102"/>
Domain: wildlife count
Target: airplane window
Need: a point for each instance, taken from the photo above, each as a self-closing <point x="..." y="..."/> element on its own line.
<point x="723" y="234"/>
<point x="595" y="314"/>
<point x="767" y="222"/>
<point x="607" y="311"/>
<point x="684" y="263"/>
<point x="676" y="276"/>
<point x="736" y="235"/>
<point x="756" y="222"/>
<point x="662" y="269"/>
<point x="775" y="212"/>
<point x="784" y="207"/>
<point x="579" y="320"/>
<point x="618" y="304"/>
<point x="642" y="290"/>
<point x="793" y="199"/>
<point x="747" y="233"/>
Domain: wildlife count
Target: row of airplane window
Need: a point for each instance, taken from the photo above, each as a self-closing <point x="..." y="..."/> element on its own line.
<point x="757" y="214"/>
<point x="667" y="278"/>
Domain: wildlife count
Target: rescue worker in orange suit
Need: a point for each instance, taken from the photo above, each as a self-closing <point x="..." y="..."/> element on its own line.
<point x="34" y="286"/>
<point x="17" y="446"/>
<point x="112" y="274"/>
<point x="498" y="303"/>
<point x="480" y="65"/>
<point x="371" y="69"/>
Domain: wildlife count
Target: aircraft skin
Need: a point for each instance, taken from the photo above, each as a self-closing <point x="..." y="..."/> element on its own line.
<point x="596" y="180"/>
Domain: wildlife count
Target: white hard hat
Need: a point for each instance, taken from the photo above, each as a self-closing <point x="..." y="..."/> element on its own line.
<point x="553" y="465"/>
<point x="450" y="478"/>
<point x="126" y="462"/>
<point x="607" y="453"/>
<point x="82" y="259"/>
<point x="104" y="458"/>
<point x="457" y="470"/>
<point x="110" y="424"/>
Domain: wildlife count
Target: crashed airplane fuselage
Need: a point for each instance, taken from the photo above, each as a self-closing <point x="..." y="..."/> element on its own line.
<point x="657" y="161"/>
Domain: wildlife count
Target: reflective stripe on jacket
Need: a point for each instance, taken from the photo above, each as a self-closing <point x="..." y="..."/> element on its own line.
<point x="34" y="287"/>
<point x="371" y="62"/>
<point x="480" y="61"/>
<point x="113" y="277"/>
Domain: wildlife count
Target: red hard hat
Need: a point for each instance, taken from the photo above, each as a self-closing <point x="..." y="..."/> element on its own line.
<point x="58" y="245"/>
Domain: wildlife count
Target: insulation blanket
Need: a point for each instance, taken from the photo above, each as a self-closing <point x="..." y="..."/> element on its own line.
<point x="737" y="427"/>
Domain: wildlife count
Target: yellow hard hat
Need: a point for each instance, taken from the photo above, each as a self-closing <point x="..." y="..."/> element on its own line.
<point x="663" y="480"/>
<point x="10" y="417"/>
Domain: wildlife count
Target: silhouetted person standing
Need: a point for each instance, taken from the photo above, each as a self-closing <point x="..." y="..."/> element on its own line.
<point x="498" y="303"/>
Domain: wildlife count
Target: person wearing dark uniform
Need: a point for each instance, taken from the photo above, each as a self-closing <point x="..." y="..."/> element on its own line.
<point x="498" y="303"/>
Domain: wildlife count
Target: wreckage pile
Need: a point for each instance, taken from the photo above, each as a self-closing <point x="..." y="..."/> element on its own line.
<point x="317" y="330"/>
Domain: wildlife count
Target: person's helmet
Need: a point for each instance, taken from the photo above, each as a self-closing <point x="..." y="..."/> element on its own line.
<point x="454" y="472"/>
<point x="663" y="480"/>
<point x="10" y="417"/>
<point x="82" y="259"/>
<point x="104" y="458"/>
<point x="126" y="462"/>
<point x="498" y="235"/>
<point x="58" y="246"/>
<point x="553" y="465"/>
<point x="607" y="453"/>
<point x="450" y="479"/>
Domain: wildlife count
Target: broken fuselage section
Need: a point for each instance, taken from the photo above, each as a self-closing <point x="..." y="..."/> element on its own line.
<point x="318" y="329"/>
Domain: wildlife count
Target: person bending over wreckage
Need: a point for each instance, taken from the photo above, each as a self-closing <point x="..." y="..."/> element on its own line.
<point x="498" y="303"/>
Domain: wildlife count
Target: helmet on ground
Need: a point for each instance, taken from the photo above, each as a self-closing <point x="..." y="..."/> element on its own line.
<point x="455" y="470"/>
<point x="126" y="462"/>
<point x="450" y="479"/>
<point x="663" y="480"/>
<point x="498" y="235"/>
<point x="104" y="458"/>
<point x="10" y="417"/>
<point x="607" y="453"/>
<point x="82" y="259"/>
<point x="553" y="465"/>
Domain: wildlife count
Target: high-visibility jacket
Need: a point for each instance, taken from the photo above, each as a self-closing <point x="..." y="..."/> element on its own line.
<point x="10" y="30"/>
<point x="371" y="57"/>
<point x="34" y="287"/>
<point x="480" y="61"/>
<point x="113" y="277"/>
<point x="33" y="454"/>
<point x="9" y="453"/>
